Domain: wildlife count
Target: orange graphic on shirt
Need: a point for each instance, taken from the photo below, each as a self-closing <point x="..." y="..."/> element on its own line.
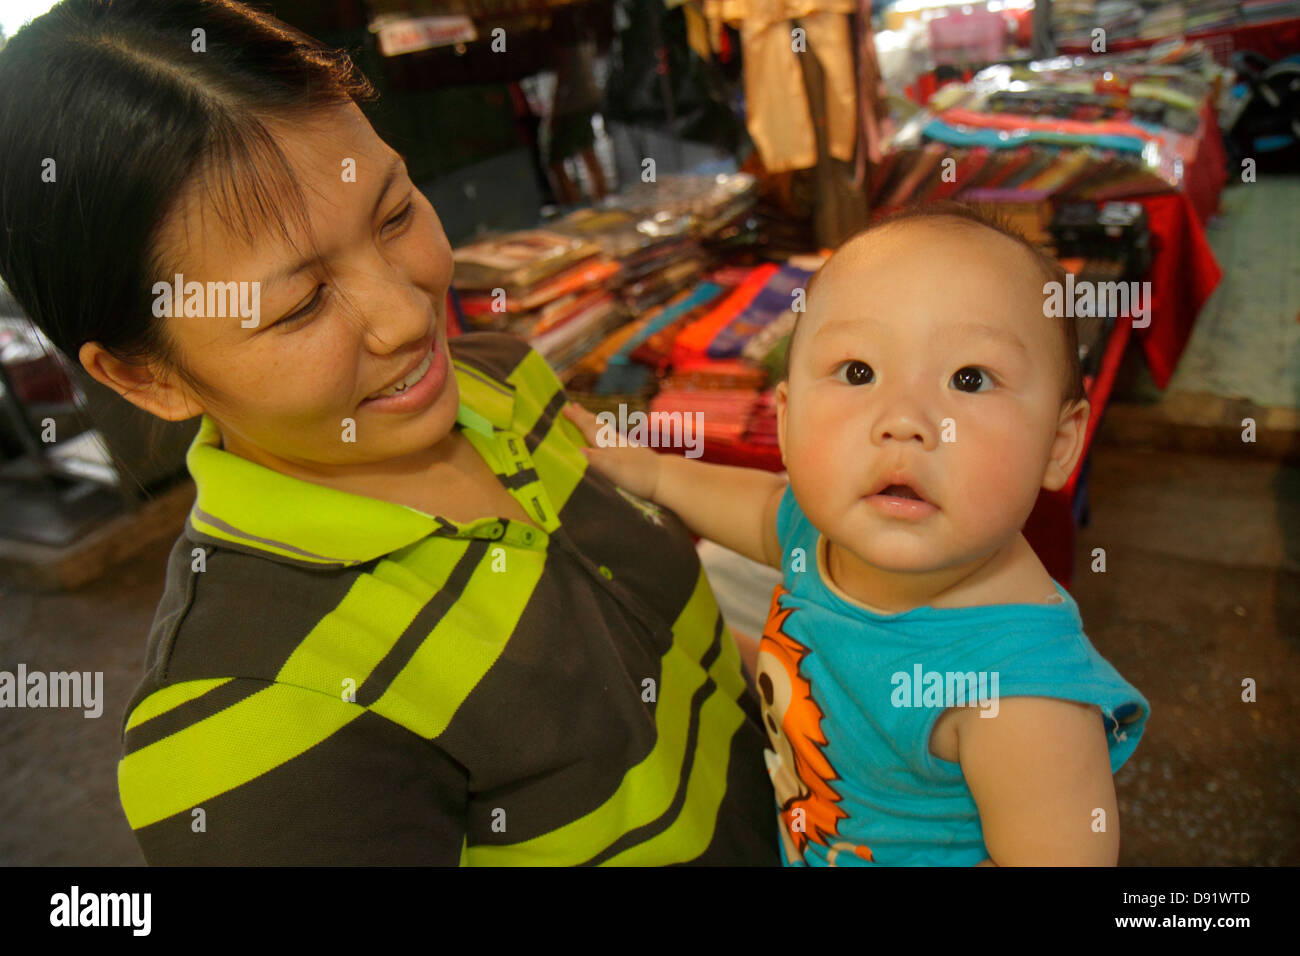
<point x="801" y="773"/>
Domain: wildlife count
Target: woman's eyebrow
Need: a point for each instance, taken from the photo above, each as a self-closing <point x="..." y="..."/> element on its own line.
<point x="396" y="165"/>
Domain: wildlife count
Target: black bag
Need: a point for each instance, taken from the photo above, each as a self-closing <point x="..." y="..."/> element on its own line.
<point x="1264" y="123"/>
<point x="691" y="100"/>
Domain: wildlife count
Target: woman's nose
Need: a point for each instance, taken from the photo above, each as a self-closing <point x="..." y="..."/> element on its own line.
<point x="395" y="310"/>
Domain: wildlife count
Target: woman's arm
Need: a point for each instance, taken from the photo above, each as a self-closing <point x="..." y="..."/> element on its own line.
<point x="736" y="507"/>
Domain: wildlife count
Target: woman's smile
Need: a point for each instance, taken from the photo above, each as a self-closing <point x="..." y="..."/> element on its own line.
<point x="417" y="389"/>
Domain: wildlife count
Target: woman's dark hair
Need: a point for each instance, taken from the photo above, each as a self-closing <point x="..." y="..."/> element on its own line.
<point x="118" y="103"/>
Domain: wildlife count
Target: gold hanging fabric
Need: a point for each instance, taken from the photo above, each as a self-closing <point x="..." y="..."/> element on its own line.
<point x="777" y="111"/>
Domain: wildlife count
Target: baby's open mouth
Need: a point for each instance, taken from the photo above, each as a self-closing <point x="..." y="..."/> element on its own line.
<point x="897" y="499"/>
<point x="899" y="491"/>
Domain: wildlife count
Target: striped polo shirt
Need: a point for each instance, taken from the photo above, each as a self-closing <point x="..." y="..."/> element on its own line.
<point x="336" y="679"/>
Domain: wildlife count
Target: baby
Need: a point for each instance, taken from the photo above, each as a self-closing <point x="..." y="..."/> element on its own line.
<point x="929" y="692"/>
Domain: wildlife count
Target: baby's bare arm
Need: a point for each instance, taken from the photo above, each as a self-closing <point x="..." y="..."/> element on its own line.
<point x="1039" y="772"/>
<point x="736" y="507"/>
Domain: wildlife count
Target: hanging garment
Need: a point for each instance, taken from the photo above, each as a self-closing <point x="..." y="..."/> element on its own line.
<point x="777" y="109"/>
<point x="656" y="79"/>
<point x="872" y="98"/>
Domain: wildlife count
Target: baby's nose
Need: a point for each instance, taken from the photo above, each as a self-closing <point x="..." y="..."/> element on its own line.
<point x="903" y="424"/>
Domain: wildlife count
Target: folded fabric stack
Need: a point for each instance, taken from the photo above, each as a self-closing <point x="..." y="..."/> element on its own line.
<point x="633" y="366"/>
<point x="1151" y="105"/>
<point x="724" y="412"/>
<point x="1211" y="14"/>
<point x="566" y="286"/>
<point x="710" y="215"/>
<point x="1029" y="174"/>
<point x="711" y="348"/>
<point x="709" y="202"/>
<point x="1166" y="20"/>
<point x="549" y="288"/>
<point x="782" y="292"/>
<point x="728" y="332"/>
<point x="1261" y="11"/>
<point x="1072" y="19"/>
<point x="657" y="252"/>
<point x="1094" y="129"/>
<point x="1073" y="22"/>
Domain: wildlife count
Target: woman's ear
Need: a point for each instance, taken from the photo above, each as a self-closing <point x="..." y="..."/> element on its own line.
<point x="141" y="385"/>
<point x="1067" y="445"/>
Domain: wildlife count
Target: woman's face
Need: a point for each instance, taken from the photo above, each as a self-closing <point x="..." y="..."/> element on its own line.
<point x="294" y="391"/>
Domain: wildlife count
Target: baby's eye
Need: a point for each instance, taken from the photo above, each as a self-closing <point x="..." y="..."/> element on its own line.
<point x="856" y="372"/>
<point x="971" y="379"/>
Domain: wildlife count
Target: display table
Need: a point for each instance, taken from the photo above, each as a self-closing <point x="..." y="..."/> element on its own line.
<point x="680" y="357"/>
<point x="1274" y="39"/>
<point x="1184" y="271"/>
<point x="1183" y="274"/>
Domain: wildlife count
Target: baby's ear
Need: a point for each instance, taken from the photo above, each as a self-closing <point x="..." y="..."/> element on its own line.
<point x="1067" y="446"/>
<point x="781" y="396"/>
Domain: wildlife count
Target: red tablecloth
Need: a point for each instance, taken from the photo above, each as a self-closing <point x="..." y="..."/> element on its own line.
<point x="1183" y="271"/>
<point x="1183" y="274"/>
<point x="1050" y="529"/>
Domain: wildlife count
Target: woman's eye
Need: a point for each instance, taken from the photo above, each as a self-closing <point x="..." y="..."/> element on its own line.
<point x="971" y="379"/>
<point x="300" y="314"/>
<point x="856" y="372"/>
<point x="402" y="216"/>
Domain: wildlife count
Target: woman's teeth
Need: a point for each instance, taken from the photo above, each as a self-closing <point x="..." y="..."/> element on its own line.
<point x="407" y="382"/>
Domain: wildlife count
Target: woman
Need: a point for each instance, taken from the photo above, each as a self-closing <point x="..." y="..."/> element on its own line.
<point x="404" y="623"/>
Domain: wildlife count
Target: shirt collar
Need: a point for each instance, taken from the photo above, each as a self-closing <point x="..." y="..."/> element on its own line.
<point x="248" y="505"/>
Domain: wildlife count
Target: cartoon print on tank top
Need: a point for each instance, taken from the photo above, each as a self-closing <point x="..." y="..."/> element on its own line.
<point x="801" y="774"/>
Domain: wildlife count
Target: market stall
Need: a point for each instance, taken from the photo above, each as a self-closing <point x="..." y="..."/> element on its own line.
<point x="675" y="296"/>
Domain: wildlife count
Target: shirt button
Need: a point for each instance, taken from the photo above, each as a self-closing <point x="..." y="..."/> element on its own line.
<point x="607" y="572"/>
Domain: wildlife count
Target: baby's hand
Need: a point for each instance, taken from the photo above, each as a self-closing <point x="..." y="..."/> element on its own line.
<point x="635" y="467"/>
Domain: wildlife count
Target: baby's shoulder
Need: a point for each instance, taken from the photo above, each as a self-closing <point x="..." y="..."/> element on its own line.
<point x="1020" y="579"/>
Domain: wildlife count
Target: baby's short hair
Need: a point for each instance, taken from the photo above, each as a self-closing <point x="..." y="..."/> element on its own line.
<point x="1072" y="387"/>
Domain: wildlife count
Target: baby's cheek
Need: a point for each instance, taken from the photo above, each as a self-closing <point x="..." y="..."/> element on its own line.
<point x="814" y="474"/>
<point x="999" y="478"/>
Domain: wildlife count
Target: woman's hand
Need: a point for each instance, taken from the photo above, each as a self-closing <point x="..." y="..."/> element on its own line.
<point x="634" y="467"/>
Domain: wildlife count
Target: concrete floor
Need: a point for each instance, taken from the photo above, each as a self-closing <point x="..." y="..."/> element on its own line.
<point x="1202" y="589"/>
<point x="1246" y="343"/>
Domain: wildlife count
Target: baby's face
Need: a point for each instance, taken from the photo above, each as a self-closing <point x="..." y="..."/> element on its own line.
<point x="924" y="367"/>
